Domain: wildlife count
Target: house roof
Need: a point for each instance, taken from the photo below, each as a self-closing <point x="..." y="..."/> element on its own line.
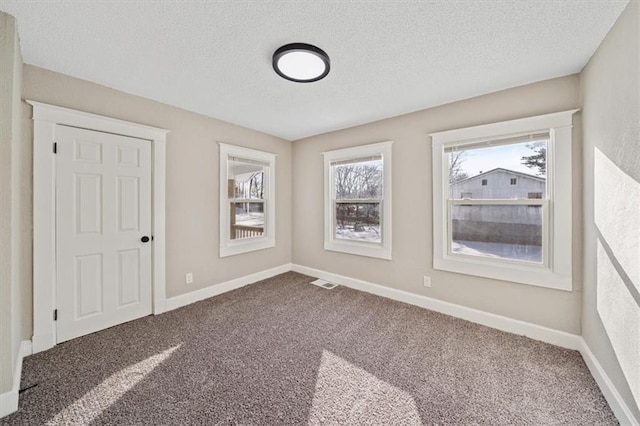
<point x="500" y="169"/>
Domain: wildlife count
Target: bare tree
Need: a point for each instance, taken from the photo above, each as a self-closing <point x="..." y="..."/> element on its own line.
<point x="359" y="181"/>
<point x="456" y="172"/>
<point x="345" y="180"/>
<point x="256" y="186"/>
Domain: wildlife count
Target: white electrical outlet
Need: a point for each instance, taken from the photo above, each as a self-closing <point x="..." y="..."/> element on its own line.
<point x="189" y="278"/>
<point x="427" y="281"/>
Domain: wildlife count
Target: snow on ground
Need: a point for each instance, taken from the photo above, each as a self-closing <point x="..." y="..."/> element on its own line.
<point x="369" y="233"/>
<point x="250" y="219"/>
<point x="498" y="250"/>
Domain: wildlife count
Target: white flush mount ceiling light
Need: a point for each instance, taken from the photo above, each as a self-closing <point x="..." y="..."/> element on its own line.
<point x="301" y="62"/>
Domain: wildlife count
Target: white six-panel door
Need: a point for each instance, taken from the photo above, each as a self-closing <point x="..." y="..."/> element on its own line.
<point x="103" y="211"/>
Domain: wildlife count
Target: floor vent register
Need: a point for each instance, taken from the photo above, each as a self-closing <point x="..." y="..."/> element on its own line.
<point x="324" y="284"/>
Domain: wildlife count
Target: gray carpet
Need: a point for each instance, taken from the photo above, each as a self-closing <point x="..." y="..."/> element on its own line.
<point x="283" y="351"/>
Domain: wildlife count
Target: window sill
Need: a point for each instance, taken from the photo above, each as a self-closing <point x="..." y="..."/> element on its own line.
<point x="534" y="275"/>
<point x="359" y="249"/>
<point x="558" y="272"/>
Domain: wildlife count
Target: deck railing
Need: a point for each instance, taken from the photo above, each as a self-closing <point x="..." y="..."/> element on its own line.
<point x="243" y="231"/>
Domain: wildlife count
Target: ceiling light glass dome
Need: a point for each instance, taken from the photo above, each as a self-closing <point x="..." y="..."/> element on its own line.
<point x="300" y="62"/>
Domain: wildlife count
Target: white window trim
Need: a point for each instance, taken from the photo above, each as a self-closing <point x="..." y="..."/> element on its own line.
<point x="360" y="248"/>
<point x="556" y="273"/>
<point x="230" y="247"/>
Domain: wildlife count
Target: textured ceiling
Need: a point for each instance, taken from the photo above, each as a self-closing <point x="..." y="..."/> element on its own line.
<point x="387" y="58"/>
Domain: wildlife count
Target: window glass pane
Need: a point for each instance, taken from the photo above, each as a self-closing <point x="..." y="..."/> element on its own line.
<point x="247" y="220"/>
<point x="358" y="221"/>
<point x="359" y="179"/>
<point x="498" y="231"/>
<point x="246" y="179"/>
<point x="503" y="171"/>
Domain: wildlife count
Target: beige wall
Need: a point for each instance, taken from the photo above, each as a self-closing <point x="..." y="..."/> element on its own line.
<point x="192" y="176"/>
<point x="412" y="206"/>
<point x="610" y="92"/>
<point x="15" y="200"/>
<point x="611" y="116"/>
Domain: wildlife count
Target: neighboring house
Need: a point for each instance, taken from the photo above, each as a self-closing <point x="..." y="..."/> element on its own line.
<point x="152" y="158"/>
<point x="500" y="184"/>
<point x="499" y="224"/>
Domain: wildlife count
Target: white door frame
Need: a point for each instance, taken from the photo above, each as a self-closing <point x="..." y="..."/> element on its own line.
<point x="45" y="119"/>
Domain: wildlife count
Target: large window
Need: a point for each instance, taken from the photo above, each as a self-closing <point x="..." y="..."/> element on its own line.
<point x="358" y="200"/>
<point x="499" y="222"/>
<point x="247" y="200"/>
<point x="502" y="200"/>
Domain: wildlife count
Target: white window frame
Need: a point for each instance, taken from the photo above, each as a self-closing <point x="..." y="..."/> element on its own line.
<point x="229" y="247"/>
<point x="380" y="250"/>
<point x="555" y="271"/>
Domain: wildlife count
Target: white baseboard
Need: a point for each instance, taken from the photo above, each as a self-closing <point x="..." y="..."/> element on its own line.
<point x="533" y="331"/>
<point x="159" y="306"/>
<point x="42" y="342"/>
<point x="214" y="290"/>
<point x="611" y="394"/>
<point x="9" y="399"/>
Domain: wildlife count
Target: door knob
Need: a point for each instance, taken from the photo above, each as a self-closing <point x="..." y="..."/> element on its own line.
<point x="144" y="239"/>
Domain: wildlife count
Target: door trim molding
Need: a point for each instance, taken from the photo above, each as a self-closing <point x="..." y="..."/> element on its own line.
<point x="45" y="118"/>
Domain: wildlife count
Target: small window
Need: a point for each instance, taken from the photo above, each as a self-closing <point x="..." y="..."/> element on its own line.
<point x="466" y="195"/>
<point x="514" y="225"/>
<point x="358" y="200"/>
<point x="247" y="202"/>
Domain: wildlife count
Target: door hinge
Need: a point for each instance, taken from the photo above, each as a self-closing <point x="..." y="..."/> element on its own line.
<point x="55" y="315"/>
<point x="55" y="147"/>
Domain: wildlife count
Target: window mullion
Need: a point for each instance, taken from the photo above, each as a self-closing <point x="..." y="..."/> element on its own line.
<point x="505" y="202"/>
<point x="357" y="201"/>
<point x="247" y="200"/>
